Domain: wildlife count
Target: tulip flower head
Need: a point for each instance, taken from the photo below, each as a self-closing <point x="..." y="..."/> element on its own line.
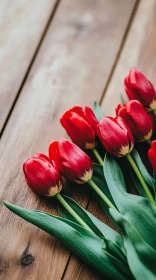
<point x="73" y="163"/>
<point x="42" y="175"/>
<point x="115" y="136"/>
<point x="137" y="119"/>
<point x="138" y="87"/>
<point x="152" y="155"/>
<point x="80" y="124"/>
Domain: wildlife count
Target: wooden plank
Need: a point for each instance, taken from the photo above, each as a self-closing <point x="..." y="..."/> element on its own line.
<point x="72" y="67"/>
<point x="22" y="24"/>
<point x="139" y="51"/>
<point x="76" y="269"/>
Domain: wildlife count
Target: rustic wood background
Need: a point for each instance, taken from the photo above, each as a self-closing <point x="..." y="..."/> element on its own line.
<point x="55" y="54"/>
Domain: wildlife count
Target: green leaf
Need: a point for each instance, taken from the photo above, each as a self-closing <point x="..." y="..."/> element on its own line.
<point x="137" y="210"/>
<point x="82" y="242"/>
<point x="99" y="179"/>
<point x="97" y="111"/>
<point x="141" y="257"/>
<point x="81" y="212"/>
<point x="112" y="239"/>
<point x="147" y="177"/>
<point x="122" y="99"/>
<point x="107" y="247"/>
<point x="154" y="176"/>
<point x="137" y="184"/>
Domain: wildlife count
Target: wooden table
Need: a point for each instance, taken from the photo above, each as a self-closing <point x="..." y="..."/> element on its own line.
<point x="56" y="54"/>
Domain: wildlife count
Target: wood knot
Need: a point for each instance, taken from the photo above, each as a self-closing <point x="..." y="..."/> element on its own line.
<point x="27" y="260"/>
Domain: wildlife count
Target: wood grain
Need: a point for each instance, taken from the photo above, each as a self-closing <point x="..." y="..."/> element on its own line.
<point x="22" y="24"/>
<point x="72" y="67"/>
<point x="76" y="269"/>
<point x="139" y="51"/>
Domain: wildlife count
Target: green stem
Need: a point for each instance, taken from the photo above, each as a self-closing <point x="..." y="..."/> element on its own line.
<point x="141" y="179"/>
<point x="149" y="142"/>
<point x="97" y="155"/>
<point x="154" y="112"/>
<point x="101" y="194"/>
<point x="71" y="211"/>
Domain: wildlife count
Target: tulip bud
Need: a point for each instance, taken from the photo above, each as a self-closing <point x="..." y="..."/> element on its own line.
<point x="138" y="87"/>
<point x="42" y="175"/>
<point x="152" y="155"/>
<point x="80" y="124"/>
<point x="73" y="163"/>
<point x="137" y="119"/>
<point x="115" y="136"/>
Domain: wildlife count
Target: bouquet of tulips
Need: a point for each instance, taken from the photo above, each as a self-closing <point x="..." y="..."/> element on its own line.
<point x="131" y="254"/>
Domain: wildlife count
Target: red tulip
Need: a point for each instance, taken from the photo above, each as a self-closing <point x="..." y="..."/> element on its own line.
<point x="140" y="88"/>
<point x="115" y="136"/>
<point x="42" y="175"/>
<point x="137" y="119"/>
<point x="73" y="163"/>
<point x="152" y="155"/>
<point x="80" y="124"/>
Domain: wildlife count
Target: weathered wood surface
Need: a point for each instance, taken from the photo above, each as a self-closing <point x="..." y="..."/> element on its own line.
<point x="22" y="24"/>
<point x="72" y="67"/>
<point x="139" y="51"/>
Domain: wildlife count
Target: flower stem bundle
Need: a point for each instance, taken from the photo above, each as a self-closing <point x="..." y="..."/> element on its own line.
<point x="131" y="254"/>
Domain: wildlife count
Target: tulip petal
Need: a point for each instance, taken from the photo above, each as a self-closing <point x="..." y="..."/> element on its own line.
<point x="152" y="155"/>
<point x="153" y="146"/>
<point x="53" y="148"/>
<point x="137" y="119"/>
<point x="139" y="87"/>
<point x="41" y="175"/>
<point x="90" y="117"/>
<point x="115" y="136"/>
<point x="129" y="90"/>
<point x="73" y="162"/>
<point x="78" y="129"/>
<point x="141" y="119"/>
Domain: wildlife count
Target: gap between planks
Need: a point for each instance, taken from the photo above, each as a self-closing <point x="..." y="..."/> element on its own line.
<point x="134" y="11"/>
<point x="30" y="65"/>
